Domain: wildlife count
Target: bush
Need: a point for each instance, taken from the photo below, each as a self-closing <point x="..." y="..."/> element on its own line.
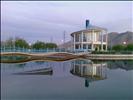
<point x="42" y="45"/>
<point x="21" y="43"/>
<point x="119" y="47"/>
<point x="112" y="52"/>
<point x="129" y="47"/>
<point x="51" y="45"/>
<point x="38" y="45"/>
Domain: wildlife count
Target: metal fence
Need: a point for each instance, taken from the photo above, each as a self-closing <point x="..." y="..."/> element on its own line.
<point x="7" y="49"/>
<point x="112" y="52"/>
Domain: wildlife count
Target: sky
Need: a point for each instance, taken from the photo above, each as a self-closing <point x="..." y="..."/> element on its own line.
<point x="48" y="20"/>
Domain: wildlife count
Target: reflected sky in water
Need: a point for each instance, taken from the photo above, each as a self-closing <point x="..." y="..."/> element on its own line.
<point x="79" y="79"/>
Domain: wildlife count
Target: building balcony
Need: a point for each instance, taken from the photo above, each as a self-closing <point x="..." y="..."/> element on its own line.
<point x="96" y="42"/>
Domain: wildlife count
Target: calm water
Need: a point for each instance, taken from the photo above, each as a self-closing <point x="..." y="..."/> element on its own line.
<point x="70" y="80"/>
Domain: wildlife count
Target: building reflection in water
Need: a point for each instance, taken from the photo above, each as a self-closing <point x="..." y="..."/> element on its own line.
<point x="89" y="70"/>
<point x="125" y="65"/>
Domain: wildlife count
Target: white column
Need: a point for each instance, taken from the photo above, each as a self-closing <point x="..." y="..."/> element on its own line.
<point x="96" y="36"/>
<point x="106" y="40"/>
<point x="82" y="40"/>
<point x="74" y="42"/>
<point x="101" y="40"/>
<point x="86" y="37"/>
<point x="92" y="39"/>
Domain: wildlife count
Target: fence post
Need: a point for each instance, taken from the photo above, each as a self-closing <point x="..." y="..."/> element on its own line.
<point x="47" y="50"/>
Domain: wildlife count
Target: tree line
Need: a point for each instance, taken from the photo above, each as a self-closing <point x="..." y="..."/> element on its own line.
<point x="128" y="47"/>
<point x="117" y="49"/>
<point x="22" y="43"/>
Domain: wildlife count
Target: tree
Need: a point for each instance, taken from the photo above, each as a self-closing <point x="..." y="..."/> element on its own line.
<point x="9" y="42"/>
<point x="51" y="45"/>
<point x="38" y="45"/>
<point x="2" y="44"/>
<point x="118" y="47"/>
<point x="42" y="45"/>
<point x="129" y="47"/>
<point x="21" y="43"/>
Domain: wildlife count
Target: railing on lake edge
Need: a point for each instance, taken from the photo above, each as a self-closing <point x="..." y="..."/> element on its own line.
<point x="25" y="50"/>
<point x="112" y="52"/>
<point x="32" y="50"/>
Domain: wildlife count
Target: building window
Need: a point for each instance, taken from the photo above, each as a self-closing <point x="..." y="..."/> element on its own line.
<point x="77" y="46"/>
<point x="84" y="46"/>
<point x="77" y="37"/>
<point x="89" y="46"/>
<point x="89" y="37"/>
<point x="80" y="37"/>
<point x="84" y="37"/>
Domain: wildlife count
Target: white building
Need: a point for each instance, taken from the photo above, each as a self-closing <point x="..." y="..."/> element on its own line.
<point x="89" y="39"/>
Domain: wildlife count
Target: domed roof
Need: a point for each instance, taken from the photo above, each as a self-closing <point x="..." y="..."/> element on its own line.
<point x="96" y="27"/>
<point x="90" y="28"/>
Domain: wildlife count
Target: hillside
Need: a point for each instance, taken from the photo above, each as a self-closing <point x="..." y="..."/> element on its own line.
<point x="115" y="38"/>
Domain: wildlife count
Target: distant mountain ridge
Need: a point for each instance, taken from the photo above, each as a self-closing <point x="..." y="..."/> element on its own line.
<point x="114" y="38"/>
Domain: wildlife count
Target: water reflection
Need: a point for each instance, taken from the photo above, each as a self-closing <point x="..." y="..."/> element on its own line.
<point x="21" y="65"/>
<point x="69" y="79"/>
<point x="125" y="65"/>
<point x="44" y="71"/>
<point x="89" y="70"/>
<point x="39" y="62"/>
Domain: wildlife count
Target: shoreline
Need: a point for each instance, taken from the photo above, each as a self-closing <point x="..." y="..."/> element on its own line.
<point x="110" y="56"/>
<point x="63" y="56"/>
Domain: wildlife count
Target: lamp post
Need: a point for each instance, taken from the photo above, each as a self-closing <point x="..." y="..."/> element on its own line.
<point x="124" y="43"/>
<point x="29" y="47"/>
<point x="63" y="44"/>
<point x="4" y="47"/>
<point x="14" y="44"/>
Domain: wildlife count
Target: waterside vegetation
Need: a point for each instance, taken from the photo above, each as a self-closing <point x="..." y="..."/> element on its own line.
<point x="22" y="43"/>
<point x="38" y="45"/>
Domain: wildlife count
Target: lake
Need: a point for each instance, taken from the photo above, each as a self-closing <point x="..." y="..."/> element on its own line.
<point x="78" y="79"/>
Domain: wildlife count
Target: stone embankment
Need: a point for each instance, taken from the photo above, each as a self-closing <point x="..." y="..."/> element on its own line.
<point x="110" y="56"/>
<point x="63" y="56"/>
